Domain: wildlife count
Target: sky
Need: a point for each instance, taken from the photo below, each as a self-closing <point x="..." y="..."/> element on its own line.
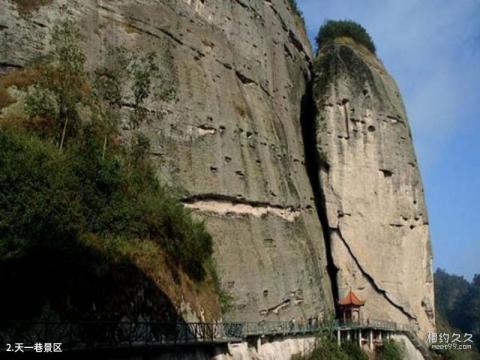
<point x="432" y="49"/>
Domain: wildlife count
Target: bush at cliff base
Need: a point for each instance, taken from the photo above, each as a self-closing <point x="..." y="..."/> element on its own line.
<point x="326" y="347"/>
<point x="390" y="350"/>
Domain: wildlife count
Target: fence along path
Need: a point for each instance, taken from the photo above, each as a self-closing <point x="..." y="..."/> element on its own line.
<point x="116" y="334"/>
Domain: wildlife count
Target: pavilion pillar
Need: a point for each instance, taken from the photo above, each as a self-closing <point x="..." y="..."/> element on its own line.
<point x="380" y="336"/>
<point x="360" y="337"/>
<point x="370" y="340"/>
<point x="338" y="337"/>
<point x="348" y="335"/>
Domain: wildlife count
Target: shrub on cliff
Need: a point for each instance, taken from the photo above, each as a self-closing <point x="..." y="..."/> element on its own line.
<point x="55" y="200"/>
<point x="353" y="350"/>
<point x="326" y="347"/>
<point x="333" y="29"/>
<point x="59" y="185"/>
<point x="390" y="350"/>
<point x="293" y="4"/>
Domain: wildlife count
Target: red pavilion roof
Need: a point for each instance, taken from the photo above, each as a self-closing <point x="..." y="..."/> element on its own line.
<point x="351" y="299"/>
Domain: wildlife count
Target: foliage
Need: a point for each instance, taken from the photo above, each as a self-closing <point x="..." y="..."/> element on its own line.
<point x="353" y="351"/>
<point x="108" y="80"/>
<point x="333" y="29"/>
<point x="62" y="86"/>
<point x="294" y="6"/>
<point x="390" y="350"/>
<point x="57" y="200"/>
<point x="449" y="291"/>
<point x="226" y="300"/>
<point x="20" y="79"/>
<point x="141" y="69"/>
<point x="53" y="200"/>
<point x="326" y="347"/>
<point x="458" y="303"/>
<point x="65" y="90"/>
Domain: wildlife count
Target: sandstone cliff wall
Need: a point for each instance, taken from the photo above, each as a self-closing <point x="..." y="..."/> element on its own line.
<point x="231" y="142"/>
<point x="373" y="194"/>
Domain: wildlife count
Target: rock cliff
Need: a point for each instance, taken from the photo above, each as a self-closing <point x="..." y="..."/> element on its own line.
<point x="372" y="191"/>
<point x="231" y="142"/>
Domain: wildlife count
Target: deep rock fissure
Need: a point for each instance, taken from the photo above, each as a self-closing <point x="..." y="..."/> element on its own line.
<point x="370" y="278"/>
<point x="313" y="166"/>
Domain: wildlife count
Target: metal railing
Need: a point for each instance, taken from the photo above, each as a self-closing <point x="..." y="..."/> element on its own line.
<point x="115" y="334"/>
<point x="101" y="334"/>
<point x="285" y="327"/>
<point x="376" y="324"/>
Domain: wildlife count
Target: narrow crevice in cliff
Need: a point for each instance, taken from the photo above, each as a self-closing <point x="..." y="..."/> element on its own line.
<point x="370" y="278"/>
<point x="313" y="165"/>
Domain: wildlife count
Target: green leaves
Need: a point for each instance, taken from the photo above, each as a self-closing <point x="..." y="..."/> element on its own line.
<point x="293" y="4"/>
<point x="390" y="350"/>
<point x="142" y="69"/>
<point x="37" y="200"/>
<point x="62" y="84"/>
<point x="458" y="302"/>
<point x="53" y="200"/>
<point x="333" y="29"/>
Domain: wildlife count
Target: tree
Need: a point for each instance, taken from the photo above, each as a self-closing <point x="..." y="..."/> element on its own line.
<point x="333" y="29"/>
<point x="108" y="80"/>
<point x="142" y="69"/>
<point x="63" y="83"/>
<point x="458" y="303"/>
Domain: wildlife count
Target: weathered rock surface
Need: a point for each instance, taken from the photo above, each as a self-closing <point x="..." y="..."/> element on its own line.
<point x="371" y="184"/>
<point x="232" y="140"/>
<point x="232" y="144"/>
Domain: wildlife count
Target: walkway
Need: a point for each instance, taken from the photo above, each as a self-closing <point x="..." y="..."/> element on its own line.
<point x="123" y="334"/>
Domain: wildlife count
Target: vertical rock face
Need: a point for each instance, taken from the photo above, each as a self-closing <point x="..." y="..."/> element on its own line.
<point x="231" y="142"/>
<point x="372" y="189"/>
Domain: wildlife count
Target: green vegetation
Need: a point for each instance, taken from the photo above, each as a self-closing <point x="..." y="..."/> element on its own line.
<point x="457" y="308"/>
<point x="326" y="347"/>
<point x="354" y="351"/>
<point x="69" y="204"/>
<point x="294" y="6"/>
<point x="61" y="87"/>
<point x="333" y="29"/>
<point x="226" y="300"/>
<point x="390" y="350"/>
<point x="54" y="200"/>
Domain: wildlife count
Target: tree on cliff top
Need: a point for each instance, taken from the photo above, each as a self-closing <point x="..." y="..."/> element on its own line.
<point x="333" y="29"/>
